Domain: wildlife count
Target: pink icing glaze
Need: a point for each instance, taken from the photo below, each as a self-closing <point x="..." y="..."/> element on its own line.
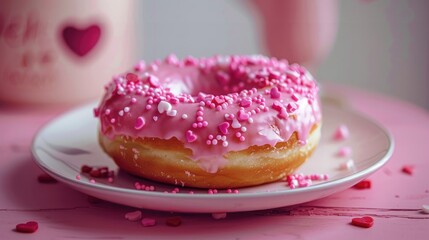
<point x="213" y="105"/>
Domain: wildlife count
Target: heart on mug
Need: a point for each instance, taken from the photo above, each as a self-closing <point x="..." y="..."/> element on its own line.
<point x="81" y="41"/>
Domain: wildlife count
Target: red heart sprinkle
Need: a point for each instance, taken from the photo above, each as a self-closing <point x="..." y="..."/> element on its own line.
<point x="365" y="222"/>
<point x="45" y="178"/>
<point x="173" y="221"/>
<point x="364" y="184"/>
<point x="29" y="227"/>
<point x="86" y="169"/>
<point x="408" y="169"/>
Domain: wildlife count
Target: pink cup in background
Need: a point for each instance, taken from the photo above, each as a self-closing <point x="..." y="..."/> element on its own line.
<point x="63" y="52"/>
<point x="301" y="31"/>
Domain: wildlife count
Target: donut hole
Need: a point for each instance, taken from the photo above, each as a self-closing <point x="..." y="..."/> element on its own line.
<point x="216" y="82"/>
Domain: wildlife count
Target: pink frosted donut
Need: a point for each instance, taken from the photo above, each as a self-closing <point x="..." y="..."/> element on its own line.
<point x="218" y="122"/>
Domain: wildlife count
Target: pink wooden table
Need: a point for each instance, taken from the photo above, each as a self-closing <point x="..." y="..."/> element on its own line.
<point x="394" y="201"/>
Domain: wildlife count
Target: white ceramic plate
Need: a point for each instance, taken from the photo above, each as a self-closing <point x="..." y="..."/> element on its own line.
<point x="70" y="141"/>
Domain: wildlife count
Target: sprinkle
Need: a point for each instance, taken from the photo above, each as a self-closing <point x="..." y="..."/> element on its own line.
<point x="86" y="169"/>
<point x="223" y="127"/>
<point x="28" y="227"/>
<point x="242" y="116"/>
<point x="173" y="221"/>
<point x="153" y="81"/>
<point x="344" y="152"/>
<point x="218" y="216"/>
<point x="341" y="133"/>
<point x="121" y="113"/>
<point x="364" y="222"/>
<point x="164" y="106"/>
<point x="349" y="164"/>
<point x="133" y="216"/>
<point x="235" y="123"/>
<point x="148" y="222"/>
<point x="425" y="209"/>
<point x="92" y="181"/>
<point x="184" y="116"/>
<point x="78" y="177"/>
<point x="408" y="169"/>
<point x="172" y="113"/>
<point x="364" y="184"/>
<point x="190" y="136"/>
<point x="245" y="103"/>
<point x="243" y="129"/>
<point x="295" y="97"/>
<point x="126" y="109"/>
<point x="274" y="93"/>
<point x="155" y="118"/>
<point x="46" y="178"/>
<point x="140" y="122"/>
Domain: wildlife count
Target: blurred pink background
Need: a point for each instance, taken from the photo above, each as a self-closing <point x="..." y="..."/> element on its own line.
<point x="378" y="45"/>
<point x="381" y="45"/>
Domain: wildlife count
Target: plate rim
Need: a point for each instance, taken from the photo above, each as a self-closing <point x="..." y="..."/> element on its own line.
<point x="180" y="195"/>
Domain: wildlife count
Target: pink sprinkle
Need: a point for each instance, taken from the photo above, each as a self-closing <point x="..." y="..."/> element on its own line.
<point x="153" y="81"/>
<point x="190" y="136"/>
<point x="344" y="152"/>
<point x="236" y="191"/>
<point x="291" y="107"/>
<point x="242" y="116"/>
<point x="223" y="127"/>
<point x="78" y="177"/>
<point x="349" y="164"/>
<point x="218" y="216"/>
<point x="341" y="133"/>
<point x="245" y="103"/>
<point x="110" y="180"/>
<point x="140" y="122"/>
<point x="133" y="216"/>
<point x="148" y="222"/>
<point x="274" y="93"/>
<point x="140" y="66"/>
<point x="92" y="181"/>
<point x="283" y="114"/>
<point x="295" y="97"/>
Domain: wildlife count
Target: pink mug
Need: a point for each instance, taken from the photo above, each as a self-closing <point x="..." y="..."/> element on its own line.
<point x="301" y="31"/>
<point x="60" y="51"/>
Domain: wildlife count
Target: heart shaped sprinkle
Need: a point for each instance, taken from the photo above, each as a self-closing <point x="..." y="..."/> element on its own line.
<point x="133" y="216"/>
<point x="190" y="136"/>
<point x="46" y="178"/>
<point x="242" y="116"/>
<point x="148" y="222"/>
<point x="173" y="221"/>
<point x="223" y="127"/>
<point x="140" y="122"/>
<point x="408" y="169"/>
<point x="245" y="102"/>
<point x="364" y="222"/>
<point x="29" y="227"/>
<point x="235" y="123"/>
<point x="218" y="216"/>
<point x="153" y="81"/>
<point x="164" y="106"/>
<point x="364" y="184"/>
<point x="274" y="93"/>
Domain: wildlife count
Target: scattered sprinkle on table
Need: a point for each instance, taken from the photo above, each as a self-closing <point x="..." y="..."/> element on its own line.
<point x="364" y="222"/>
<point x="28" y="227"/>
